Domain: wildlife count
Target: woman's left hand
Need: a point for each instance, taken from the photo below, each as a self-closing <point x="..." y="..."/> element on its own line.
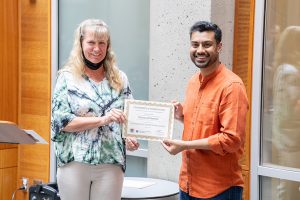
<point x="132" y="144"/>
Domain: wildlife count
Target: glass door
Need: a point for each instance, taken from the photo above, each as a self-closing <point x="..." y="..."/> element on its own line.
<point x="276" y="101"/>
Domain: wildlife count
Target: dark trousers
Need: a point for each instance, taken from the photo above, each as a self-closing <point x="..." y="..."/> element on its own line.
<point x="233" y="193"/>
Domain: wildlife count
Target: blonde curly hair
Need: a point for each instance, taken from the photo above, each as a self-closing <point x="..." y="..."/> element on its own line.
<point x="75" y="63"/>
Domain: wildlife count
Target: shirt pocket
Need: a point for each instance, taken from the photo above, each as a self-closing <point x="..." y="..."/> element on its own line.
<point x="207" y="113"/>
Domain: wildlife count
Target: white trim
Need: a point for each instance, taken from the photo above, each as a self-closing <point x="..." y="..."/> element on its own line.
<point x="279" y="172"/>
<point x="54" y="68"/>
<point x="256" y="99"/>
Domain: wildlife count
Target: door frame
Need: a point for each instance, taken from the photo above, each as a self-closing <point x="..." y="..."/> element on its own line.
<point x="54" y="69"/>
<point x="257" y="168"/>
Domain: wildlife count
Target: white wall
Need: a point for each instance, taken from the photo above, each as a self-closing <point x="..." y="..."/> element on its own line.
<point x="170" y="65"/>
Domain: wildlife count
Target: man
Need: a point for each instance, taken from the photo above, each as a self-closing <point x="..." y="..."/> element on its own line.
<point x="214" y="117"/>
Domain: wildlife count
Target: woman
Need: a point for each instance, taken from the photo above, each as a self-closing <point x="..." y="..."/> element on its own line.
<point x="286" y="116"/>
<point x="86" y="118"/>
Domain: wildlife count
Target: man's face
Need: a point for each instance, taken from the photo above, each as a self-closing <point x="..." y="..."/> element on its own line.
<point x="204" y="50"/>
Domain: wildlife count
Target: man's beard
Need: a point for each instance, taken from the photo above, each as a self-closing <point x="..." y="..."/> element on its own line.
<point x="202" y="64"/>
<point x="207" y="63"/>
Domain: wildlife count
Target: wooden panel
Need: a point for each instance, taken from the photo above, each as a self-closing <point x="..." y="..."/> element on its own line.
<point x="8" y="146"/>
<point x="1" y="184"/>
<point x="35" y="88"/>
<point x="9" y="183"/>
<point x="8" y="158"/>
<point x="246" y="192"/>
<point x="9" y="60"/>
<point x="36" y="164"/>
<point x="242" y="58"/>
<point x="41" y="127"/>
<point x="242" y="66"/>
<point x="9" y="71"/>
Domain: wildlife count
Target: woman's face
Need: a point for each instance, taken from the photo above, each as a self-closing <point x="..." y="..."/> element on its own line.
<point x="94" y="49"/>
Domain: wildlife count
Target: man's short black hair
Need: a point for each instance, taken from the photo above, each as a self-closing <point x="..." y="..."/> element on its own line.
<point x="202" y="26"/>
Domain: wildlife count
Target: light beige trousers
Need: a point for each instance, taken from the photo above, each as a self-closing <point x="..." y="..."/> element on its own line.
<point x="79" y="181"/>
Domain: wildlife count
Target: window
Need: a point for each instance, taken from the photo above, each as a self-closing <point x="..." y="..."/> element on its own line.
<point x="129" y="27"/>
<point x="278" y="165"/>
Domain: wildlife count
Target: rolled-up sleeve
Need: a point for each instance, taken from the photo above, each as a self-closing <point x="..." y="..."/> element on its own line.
<point x="232" y="115"/>
<point x="61" y="110"/>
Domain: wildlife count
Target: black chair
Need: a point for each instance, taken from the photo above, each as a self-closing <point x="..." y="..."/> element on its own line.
<point x="47" y="191"/>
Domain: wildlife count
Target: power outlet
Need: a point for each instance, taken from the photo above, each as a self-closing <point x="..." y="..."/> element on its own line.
<point x="24" y="183"/>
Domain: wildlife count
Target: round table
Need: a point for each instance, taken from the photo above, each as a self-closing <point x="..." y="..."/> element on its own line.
<point x="148" y="188"/>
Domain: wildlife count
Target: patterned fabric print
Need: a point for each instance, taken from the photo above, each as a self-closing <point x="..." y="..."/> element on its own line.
<point x="73" y="98"/>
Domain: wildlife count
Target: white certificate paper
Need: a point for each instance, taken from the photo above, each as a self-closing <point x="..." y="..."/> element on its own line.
<point x="148" y="120"/>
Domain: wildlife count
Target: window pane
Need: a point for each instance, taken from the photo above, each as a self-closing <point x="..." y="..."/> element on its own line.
<point x="129" y="28"/>
<point x="281" y="84"/>
<point x="279" y="189"/>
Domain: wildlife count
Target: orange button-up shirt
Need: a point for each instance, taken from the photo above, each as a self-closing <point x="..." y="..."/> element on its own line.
<point x="215" y="108"/>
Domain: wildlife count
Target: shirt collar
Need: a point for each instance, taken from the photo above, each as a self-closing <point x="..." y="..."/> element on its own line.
<point x="204" y="79"/>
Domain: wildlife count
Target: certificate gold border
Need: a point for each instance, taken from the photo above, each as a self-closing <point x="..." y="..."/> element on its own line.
<point x="150" y="103"/>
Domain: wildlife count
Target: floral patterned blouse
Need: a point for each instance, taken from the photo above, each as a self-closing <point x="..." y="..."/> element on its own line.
<point x="72" y="98"/>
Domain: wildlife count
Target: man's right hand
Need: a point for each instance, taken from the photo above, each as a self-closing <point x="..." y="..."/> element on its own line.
<point x="174" y="146"/>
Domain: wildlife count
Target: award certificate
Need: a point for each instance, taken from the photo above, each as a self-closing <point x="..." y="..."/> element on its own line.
<point x="148" y="120"/>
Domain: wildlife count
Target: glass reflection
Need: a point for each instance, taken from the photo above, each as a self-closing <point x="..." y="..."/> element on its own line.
<point x="286" y="105"/>
<point x="271" y="191"/>
<point x="281" y="94"/>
